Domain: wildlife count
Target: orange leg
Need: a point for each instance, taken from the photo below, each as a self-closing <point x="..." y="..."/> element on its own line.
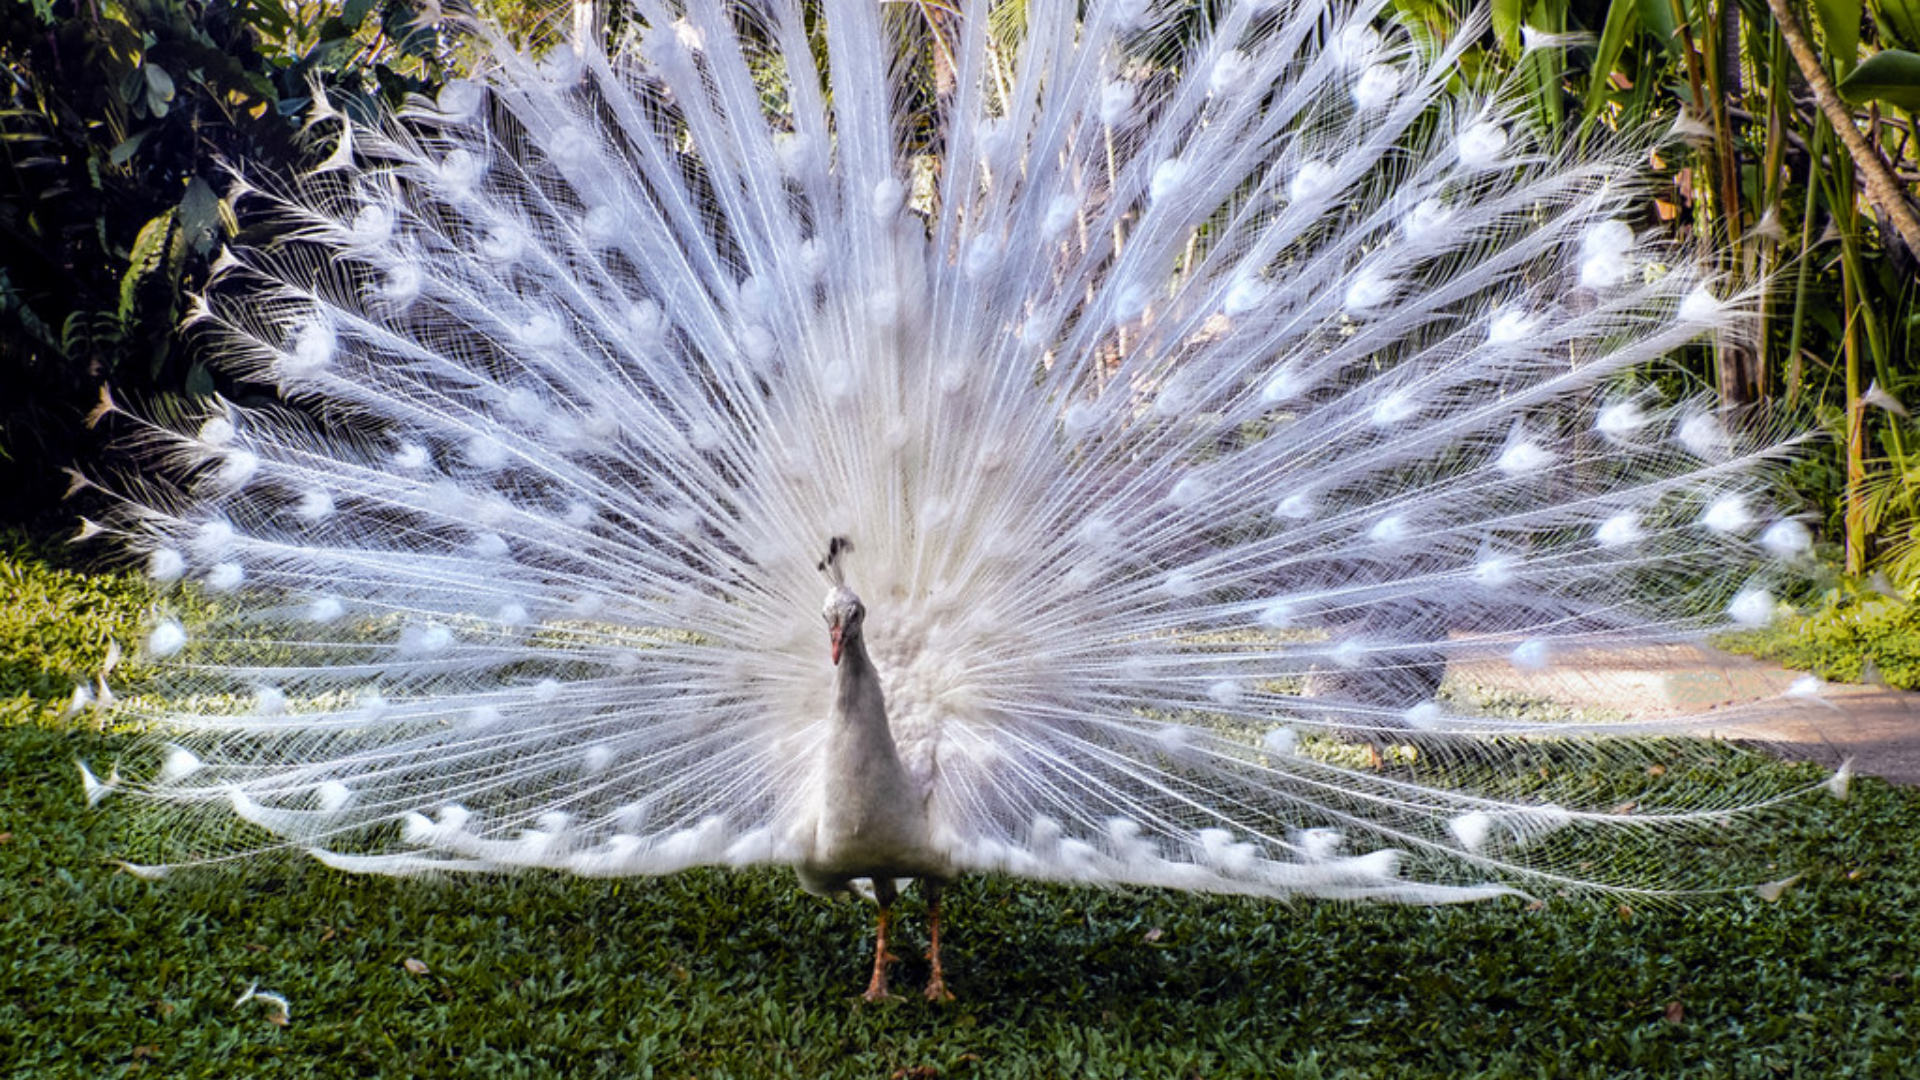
<point x="885" y="893"/>
<point x="877" y="989"/>
<point x="936" y="982"/>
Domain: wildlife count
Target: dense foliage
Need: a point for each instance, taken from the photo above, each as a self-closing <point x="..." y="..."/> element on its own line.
<point x="1758" y="174"/>
<point x="1854" y="634"/>
<point x="120" y="123"/>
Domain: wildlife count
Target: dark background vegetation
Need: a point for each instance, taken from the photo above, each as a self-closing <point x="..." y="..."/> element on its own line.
<point x="121" y="127"/>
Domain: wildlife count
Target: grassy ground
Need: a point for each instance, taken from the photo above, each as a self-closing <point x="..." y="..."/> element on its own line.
<point x="738" y="974"/>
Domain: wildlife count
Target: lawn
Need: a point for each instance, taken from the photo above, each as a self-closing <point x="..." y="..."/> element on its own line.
<point x="739" y="974"/>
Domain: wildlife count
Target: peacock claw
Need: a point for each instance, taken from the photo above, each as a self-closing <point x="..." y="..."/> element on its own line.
<point x="938" y="993"/>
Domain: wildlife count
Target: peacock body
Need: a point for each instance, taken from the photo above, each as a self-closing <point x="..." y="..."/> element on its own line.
<point x="1193" y="385"/>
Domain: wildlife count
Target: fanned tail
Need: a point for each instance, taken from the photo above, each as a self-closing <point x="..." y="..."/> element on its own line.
<point x="1197" y="387"/>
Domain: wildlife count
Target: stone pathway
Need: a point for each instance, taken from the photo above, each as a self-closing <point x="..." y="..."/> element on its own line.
<point x="1876" y="726"/>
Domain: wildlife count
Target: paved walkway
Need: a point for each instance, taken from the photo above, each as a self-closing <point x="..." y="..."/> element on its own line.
<point x="1878" y="727"/>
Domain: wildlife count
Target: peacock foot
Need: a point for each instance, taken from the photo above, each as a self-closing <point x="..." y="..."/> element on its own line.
<point x="937" y="991"/>
<point x="877" y="987"/>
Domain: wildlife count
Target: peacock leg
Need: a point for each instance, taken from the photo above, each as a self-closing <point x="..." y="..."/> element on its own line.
<point x="886" y="894"/>
<point x="936" y="982"/>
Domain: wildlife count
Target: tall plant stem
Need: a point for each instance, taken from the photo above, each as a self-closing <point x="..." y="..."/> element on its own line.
<point x="1882" y="186"/>
<point x="1856" y="512"/>
<point x="1804" y="264"/>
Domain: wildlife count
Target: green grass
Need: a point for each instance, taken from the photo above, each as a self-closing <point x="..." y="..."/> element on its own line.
<point x="739" y="974"/>
<point x="56" y="620"/>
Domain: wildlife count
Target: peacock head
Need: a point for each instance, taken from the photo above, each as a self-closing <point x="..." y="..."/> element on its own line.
<point x="844" y="611"/>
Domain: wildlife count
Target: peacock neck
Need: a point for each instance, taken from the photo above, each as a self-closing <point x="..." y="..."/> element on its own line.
<point x="872" y="819"/>
<point x="861" y="706"/>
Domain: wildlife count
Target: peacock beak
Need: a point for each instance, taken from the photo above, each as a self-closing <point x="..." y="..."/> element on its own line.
<point x="833" y="641"/>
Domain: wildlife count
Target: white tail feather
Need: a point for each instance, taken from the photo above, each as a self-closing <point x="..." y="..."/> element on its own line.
<point x="1196" y="392"/>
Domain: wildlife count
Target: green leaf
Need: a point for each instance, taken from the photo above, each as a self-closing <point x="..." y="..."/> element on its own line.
<point x="1890" y="76"/>
<point x="132" y="87"/>
<point x="1898" y="22"/>
<point x="275" y="19"/>
<point x="1657" y="16"/>
<point x="124" y="152"/>
<point x="149" y="250"/>
<point x="199" y="381"/>
<point x="1507" y="18"/>
<point x="200" y="215"/>
<point x="159" y="89"/>
<point x="1840" y="23"/>
<point x="1623" y="18"/>
<point x="409" y="28"/>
